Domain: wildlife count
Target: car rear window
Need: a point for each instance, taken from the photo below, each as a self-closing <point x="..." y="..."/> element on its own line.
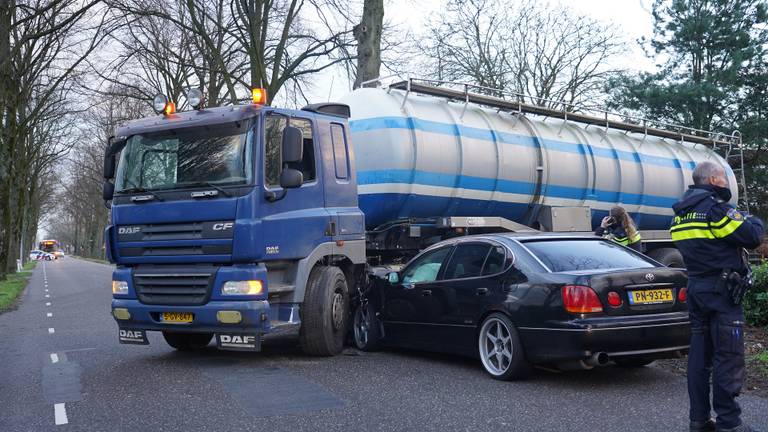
<point x="575" y="255"/>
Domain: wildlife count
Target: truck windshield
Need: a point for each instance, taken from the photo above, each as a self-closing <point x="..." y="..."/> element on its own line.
<point x="190" y="157"/>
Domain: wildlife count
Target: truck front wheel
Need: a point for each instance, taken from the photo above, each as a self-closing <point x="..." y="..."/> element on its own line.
<point x="187" y="341"/>
<point x="324" y="313"/>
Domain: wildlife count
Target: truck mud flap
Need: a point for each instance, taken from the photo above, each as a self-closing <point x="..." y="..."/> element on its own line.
<point x="133" y="337"/>
<point x="238" y="341"/>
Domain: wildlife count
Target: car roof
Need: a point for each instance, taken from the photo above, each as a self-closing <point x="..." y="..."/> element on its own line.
<point x="515" y="237"/>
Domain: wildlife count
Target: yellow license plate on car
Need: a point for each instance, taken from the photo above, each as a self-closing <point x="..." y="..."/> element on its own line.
<point x="650" y="297"/>
<point x="178" y="317"/>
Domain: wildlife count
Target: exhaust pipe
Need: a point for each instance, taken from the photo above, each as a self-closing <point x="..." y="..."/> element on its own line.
<point x="597" y="359"/>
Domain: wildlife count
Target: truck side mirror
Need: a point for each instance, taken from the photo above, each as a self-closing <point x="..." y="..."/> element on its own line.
<point x="293" y="145"/>
<point x="291" y="178"/>
<point x="113" y="148"/>
<point x="108" y="190"/>
<point x="393" y="278"/>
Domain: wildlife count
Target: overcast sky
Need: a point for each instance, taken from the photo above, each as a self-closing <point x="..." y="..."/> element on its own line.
<point x="632" y="18"/>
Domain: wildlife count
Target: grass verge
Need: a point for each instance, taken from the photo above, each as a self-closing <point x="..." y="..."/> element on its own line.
<point x="762" y="360"/>
<point x="13" y="286"/>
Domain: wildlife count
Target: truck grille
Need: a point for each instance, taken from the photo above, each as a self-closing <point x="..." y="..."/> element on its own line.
<point x="174" y="285"/>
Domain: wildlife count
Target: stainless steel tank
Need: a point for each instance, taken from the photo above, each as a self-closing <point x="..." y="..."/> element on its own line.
<point x="423" y="156"/>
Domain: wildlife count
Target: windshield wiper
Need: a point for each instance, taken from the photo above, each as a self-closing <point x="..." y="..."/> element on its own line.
<point x="208" y="184"/>
<point x="139" y="189"/>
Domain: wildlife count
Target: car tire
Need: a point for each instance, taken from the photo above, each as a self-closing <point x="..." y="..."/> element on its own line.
<point x="670" y="257"/>
<point x="366" y="328"/>
<point x="325" y="312"/>
<point x="187" y="341"/>
<point x="633" y="361"/>
<point x="497" y="332"/>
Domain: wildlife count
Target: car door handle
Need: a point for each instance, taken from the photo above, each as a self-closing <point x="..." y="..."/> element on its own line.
<point x="482" y="291"/>
<point x="426" y="292"/>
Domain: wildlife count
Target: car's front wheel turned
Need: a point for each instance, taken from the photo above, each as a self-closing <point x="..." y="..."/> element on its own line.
<point x="188" y="341"/>
<point x="500" y="349"/>
<point x="366" y="328"/>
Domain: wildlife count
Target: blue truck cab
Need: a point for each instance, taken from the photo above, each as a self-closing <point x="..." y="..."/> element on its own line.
<point x="234" y="222"/>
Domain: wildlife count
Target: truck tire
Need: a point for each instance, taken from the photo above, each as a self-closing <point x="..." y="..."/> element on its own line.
<point x="367" y="328"/>
<point x="670" y="257"/>
<point x="325" y="312"/>
<point x="187" y="341"/>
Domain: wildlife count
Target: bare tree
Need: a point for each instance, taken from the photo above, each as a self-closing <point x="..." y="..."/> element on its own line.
<point x="44" y="44"/>
<point x="368" y="35"/>
<point x="548" y="53"/>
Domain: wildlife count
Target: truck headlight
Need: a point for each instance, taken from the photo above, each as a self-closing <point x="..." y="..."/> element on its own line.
<point x="247" y="287"/>
<point x="119" y="287"/>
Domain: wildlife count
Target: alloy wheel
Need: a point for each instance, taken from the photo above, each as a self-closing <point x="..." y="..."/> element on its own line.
<point x="496" y="346"/>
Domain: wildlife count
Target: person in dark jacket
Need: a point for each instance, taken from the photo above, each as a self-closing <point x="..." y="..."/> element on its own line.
<point x="711" y="235"/>
<point x="619" y="227"/>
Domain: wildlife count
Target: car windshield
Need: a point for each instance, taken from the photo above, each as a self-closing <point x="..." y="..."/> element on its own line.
<point x="581" y="254"/>
<point x="190" y="157"/>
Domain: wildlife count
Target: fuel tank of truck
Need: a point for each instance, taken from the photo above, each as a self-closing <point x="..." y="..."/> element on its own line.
<point x="424" y="156"/>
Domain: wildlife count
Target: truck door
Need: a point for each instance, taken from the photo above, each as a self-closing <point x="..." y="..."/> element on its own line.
<point x="292" y="225"/>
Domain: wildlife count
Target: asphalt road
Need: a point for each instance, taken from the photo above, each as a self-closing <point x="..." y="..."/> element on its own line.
<point x="67" y="371"/>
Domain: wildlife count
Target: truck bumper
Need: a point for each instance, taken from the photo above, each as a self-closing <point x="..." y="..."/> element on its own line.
<point x="254" y="316"/>
<point x="257" y="318"/>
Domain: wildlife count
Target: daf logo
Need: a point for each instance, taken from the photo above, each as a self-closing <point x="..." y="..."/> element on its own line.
<point x="222" y="226"/>
<point x="650" y="277"/>
<point x="131" y="334"/>
<point x="128" y="230"/>
<point x="236" y="339"/>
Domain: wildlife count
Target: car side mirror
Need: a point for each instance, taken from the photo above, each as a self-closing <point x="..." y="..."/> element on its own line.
<point x="291" y="178"/>
<point x="393" y="278"/>
<point x="293" y="145"/>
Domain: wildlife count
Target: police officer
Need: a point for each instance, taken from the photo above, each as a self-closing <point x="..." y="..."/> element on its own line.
<point x="711" y="235"/>
<point x="619" y="227"/>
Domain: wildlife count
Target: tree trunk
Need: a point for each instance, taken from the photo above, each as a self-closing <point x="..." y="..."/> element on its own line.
<point x="368" y="36"/>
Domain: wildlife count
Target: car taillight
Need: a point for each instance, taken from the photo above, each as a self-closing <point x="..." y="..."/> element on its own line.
<point x="682" y="294"/>
<point x="614" y="299"/>
<point x="581" y="299"/>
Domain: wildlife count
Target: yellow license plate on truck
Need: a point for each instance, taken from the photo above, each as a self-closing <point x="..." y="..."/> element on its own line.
<point x="178" y="317"/>
<point x="650" y="297"/>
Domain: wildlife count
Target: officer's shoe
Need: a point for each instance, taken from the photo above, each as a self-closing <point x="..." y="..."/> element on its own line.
<point x="703" y="426"/>
<point x="740" y="428"/>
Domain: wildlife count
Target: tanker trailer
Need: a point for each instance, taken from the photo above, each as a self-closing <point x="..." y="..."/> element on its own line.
<point x="427" y="153"/>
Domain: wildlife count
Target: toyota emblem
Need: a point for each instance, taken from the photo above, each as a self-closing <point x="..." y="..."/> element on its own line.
<point x="650" y="277"/>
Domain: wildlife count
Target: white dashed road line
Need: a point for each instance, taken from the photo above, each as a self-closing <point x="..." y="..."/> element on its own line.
<point x="48" y="304"/>
<point x="60" y="413"/>
<point x="49" y="314"/>
<point x="54" y="358"/>
<point x="47" y="296"/>
<point x="51" y="330"/>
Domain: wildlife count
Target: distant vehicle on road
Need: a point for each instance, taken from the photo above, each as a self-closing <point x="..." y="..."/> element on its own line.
<point x="517" y="300"/>
<point x="51" y="246"/>
<point x="39" y="255"/>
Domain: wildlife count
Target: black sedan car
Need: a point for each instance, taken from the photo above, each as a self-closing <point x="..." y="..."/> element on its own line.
<point x="519" y="300"/>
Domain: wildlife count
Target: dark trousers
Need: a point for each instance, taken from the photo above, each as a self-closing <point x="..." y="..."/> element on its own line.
<point x="717" y="350"/>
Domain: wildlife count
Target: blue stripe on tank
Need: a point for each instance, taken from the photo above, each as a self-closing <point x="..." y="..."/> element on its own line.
<point x="508" y="186"/>
<point x="413" y="123"/>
